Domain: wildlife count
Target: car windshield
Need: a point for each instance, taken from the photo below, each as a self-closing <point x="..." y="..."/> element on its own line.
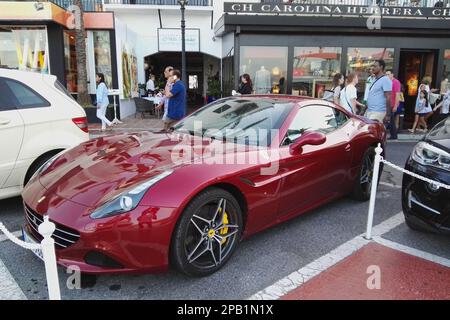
<point x="240" y="120"/>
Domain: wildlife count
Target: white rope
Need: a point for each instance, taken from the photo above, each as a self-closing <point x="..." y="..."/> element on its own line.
<point x="415" y="175"/>
<point x="23" y="244"/>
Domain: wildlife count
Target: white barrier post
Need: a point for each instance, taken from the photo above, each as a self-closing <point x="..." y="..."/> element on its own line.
<point x="373" y="191"/>
<point x="46" y="229"/>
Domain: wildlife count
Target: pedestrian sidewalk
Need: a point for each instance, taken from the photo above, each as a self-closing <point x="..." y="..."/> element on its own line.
<point x="401" y="277"/>
<point x="130" y="124"/>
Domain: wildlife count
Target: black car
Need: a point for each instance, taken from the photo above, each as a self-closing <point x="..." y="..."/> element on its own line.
<point x="427" y="206"/>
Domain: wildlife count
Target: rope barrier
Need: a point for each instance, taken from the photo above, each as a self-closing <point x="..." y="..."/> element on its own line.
<point x="415" y="175"/>
<point x="14" y="239"/>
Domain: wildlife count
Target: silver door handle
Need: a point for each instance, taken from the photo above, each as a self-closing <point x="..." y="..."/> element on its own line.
<point x="4" y="122"/>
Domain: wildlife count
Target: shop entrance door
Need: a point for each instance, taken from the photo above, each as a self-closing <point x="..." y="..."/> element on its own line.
<point x="414" y="66"/>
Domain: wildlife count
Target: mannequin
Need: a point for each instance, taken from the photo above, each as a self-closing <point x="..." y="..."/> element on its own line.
<point x="262" y="81"/>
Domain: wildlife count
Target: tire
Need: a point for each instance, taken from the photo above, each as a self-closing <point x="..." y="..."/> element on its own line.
<point x="363" y="182"/>
<point x="35" y="166"/>
<point x="414" y="226"/>
<point x="200" y="248"/>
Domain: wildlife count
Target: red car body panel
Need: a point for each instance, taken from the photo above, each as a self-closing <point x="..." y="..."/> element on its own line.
<point x="87" y="176"/>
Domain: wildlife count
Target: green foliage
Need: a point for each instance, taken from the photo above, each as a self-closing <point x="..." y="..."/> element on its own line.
<point x="214" y="88"/>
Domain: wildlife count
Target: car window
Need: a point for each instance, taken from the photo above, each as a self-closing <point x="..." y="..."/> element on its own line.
<point x="25" y="96"/>
<point x="341" y="118"/>
<point x="312" y="118"/>
<point x="6" y="101"/>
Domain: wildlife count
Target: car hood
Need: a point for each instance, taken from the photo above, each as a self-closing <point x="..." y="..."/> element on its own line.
<point x="100" y="169"/>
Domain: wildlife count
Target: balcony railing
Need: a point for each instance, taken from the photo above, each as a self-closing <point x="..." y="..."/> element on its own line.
<point x="97" y="5"/>
<point x="384" y="3"/>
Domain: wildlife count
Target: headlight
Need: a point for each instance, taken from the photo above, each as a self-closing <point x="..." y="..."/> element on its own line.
<point x="46" y="164"/>
<point x="428" y="155"/>
<point x="128" y="200"/>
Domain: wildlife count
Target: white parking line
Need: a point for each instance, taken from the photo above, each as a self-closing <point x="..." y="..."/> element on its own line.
<point x="412" y="251"/>
<point x="4" y="238"/>
<point x="390" y="185"/>
<point x="301" y="276"/>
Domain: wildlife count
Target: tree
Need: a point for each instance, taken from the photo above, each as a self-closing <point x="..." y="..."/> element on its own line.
<point x="83" y="97"/>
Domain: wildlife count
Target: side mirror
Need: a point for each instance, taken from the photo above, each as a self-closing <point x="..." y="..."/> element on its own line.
<point x="308" y="138"/>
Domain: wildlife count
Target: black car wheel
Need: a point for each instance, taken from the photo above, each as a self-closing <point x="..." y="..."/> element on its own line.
<point x="363" y="182"/>
<point x="207" y="233"/>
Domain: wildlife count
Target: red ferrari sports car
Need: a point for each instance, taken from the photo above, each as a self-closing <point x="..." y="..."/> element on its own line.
<point x="139" y="202"/>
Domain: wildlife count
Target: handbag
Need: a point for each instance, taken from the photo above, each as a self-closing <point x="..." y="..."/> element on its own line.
<point x="434" y="97"/>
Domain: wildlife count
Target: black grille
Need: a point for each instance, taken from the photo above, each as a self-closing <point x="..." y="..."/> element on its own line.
<point x="64" y="237"/>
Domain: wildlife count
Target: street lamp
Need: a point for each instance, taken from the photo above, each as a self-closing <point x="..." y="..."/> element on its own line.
<point x="183" y="4"/>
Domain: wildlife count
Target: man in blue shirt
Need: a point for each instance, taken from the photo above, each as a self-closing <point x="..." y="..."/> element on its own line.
<point x="177" y="99"/>
<point x="379" y="97"/>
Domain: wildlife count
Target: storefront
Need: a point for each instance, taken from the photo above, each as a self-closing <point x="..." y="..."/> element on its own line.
<point x="41" y="38"/>
<point x="297" y="49"/>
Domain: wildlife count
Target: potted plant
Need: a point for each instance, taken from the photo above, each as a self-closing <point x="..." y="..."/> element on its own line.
<point x="214" y="91"/>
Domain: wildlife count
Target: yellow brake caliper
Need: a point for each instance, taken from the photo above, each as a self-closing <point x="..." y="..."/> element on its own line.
<point x="224" y="231"/>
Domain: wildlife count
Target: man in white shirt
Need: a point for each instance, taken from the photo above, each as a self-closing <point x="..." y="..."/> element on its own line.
<point x="151" y="85"/>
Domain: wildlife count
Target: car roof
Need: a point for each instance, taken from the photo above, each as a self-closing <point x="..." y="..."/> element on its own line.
<point x="21" y="74"/>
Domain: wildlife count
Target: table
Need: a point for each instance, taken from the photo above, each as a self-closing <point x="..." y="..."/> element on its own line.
<point x="156" y="101"/>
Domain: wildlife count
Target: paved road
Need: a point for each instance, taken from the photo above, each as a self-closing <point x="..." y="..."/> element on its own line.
<point x="259" y="261"/>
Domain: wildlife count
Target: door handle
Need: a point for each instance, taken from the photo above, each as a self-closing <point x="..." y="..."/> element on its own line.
<point x="4" y="122"/>
<point x="348" y="147"/>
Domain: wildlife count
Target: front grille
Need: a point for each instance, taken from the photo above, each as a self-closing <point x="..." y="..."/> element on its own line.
<point x="64" y="237"/>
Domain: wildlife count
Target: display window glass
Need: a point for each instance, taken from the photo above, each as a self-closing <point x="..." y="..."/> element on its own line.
<point x="313" y="70"/>
<point x="24" y="48"/>
<point x="360" y="61"/>
<point x="446" y="75"/>
<point x="102" y="55"/>
<point x="70" y="59"/>
<point x="267" y="67"/>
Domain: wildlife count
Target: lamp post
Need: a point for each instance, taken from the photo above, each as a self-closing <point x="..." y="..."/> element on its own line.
<point x="183" y="4"/>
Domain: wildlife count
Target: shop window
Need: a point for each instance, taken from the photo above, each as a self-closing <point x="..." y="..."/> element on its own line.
<point x="361" y="59"/>
<point x="102" y="55"/>
<point x="313" y="70"/>
<point x="70" y="58"/>
<point x="446" y="76"/>
<point x="24" y="48"/>
<point x="267" y="67"/>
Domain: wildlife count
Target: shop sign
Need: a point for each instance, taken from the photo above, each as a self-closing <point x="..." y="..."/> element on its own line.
<point x="170" y="40"/>
<point x="334" y="10"/>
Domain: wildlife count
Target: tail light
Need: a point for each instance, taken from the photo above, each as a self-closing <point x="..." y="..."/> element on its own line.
<point x="81" y="123"/>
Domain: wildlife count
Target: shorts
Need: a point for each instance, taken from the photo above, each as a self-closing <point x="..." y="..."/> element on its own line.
<point x="400" y="110"/>
<point x="422" y="115"/>
<point x="379" y="116"/>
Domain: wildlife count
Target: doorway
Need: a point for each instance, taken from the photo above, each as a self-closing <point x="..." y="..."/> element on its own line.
<point x="199" y="68"/>
<point x="413" y="67"/>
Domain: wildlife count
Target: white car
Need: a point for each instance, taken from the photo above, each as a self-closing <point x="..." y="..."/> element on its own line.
<point x="38" y="119"/>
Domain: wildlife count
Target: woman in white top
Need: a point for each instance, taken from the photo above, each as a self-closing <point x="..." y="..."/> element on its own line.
<point x="444" y="105"/>
<point x="349" y="94"/>
<point x="334" y="94"/>
<point x="102" y="101"/>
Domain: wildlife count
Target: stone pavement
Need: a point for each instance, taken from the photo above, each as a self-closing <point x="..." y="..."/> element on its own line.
<point x="130" y="124"/>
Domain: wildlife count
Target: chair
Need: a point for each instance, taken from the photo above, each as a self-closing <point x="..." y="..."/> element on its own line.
<point x="143" y="106"/>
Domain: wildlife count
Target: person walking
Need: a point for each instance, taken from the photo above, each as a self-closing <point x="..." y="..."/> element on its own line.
<point x="370" y="79"/>
<point x="102" y="101"/>
<point x="444" y="105"/>
<point x="395" y="101"/>
<point x="421" y="111"/>
<point x="348" y="95"/>
<point x="334" y="95"/>
<point x="246" y="85"/>
<point x="177" y="99"/>
<point x="165" y="101"/>
<point x="379" y="95"/>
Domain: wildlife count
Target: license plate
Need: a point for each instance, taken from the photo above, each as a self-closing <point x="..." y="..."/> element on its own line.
<point x="27" y="238"/>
